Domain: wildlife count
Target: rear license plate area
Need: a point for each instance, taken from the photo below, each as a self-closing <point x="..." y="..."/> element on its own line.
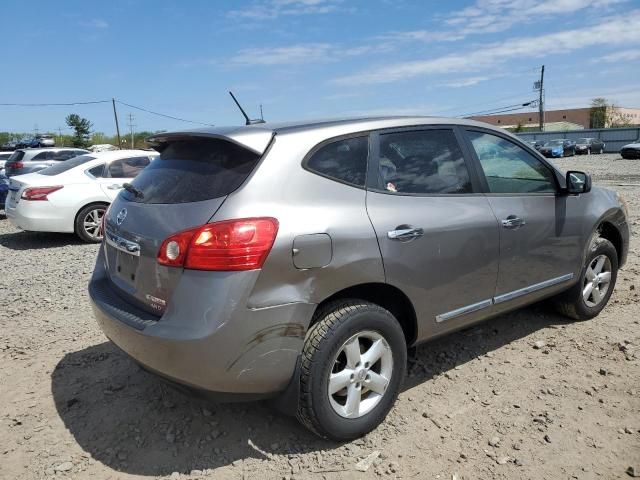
<point x="126" y="267"/>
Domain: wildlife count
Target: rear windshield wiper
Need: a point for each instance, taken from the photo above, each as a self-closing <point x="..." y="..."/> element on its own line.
<point x="131" y="189"/>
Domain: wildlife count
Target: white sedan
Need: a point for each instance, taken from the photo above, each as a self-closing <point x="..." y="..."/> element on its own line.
<point x="73" y="195"/>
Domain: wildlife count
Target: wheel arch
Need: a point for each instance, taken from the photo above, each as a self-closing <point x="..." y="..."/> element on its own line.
<point x="607" y="229"/>
<point x="387" y="296"/>
<point x="97" y="202"/>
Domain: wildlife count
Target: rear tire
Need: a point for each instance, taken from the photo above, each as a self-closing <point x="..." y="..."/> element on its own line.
<point x="353" y="364"/>
<point x="590" y="294"/>
<point x="88" y="222"/>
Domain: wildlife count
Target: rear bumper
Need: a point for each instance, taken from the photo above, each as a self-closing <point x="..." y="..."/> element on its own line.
<point x="206" y="339"/>
<point x="38" y="216"/>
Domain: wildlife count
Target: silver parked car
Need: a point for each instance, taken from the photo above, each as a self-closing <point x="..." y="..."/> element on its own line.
<point x="29" y="160"/>
<point x="300" y="261"/>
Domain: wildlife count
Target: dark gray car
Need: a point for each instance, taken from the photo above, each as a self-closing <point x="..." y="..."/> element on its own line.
<point x="300" y="261"/>
<point x="589" y="146"/>
<point x="29" y="160"/>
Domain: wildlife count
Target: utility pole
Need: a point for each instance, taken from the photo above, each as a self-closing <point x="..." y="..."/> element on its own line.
<point x="60" y="137"/>
<point x="541" y="100"/>
<point x="131" y="125"/>
<point x="115" y="115"/>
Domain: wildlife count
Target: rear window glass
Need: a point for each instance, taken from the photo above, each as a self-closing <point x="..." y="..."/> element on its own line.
<point x="64" y="166"/>
<point x="192" y="171"/>
<point x="17" y="156"/>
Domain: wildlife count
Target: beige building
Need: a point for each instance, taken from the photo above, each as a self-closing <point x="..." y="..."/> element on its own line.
<point x="578" y="116"/>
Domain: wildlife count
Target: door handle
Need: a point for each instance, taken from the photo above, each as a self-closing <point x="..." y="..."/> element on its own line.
<point x="512" y="222"/>
<point x="405" y="233"/>
<point x="114" y="186"/>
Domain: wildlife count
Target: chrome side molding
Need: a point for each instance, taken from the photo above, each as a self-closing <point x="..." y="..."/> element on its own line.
<point x="532" y="288"/>
<point x="505" y="297"/>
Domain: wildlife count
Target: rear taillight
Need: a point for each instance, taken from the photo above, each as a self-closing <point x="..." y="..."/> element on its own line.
<point x="241" y="244"/>
<point x="39" y="193"/>
<point x="15" y="165"/>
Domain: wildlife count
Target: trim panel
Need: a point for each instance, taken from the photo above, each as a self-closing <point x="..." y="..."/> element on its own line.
<point x="464" y="310"/>
<point x="532" y="288"/>
<point x="443" y="317"/>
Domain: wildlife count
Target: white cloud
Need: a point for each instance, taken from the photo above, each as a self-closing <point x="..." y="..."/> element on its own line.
<point x="620" y="30"/>
<point x="623" y="56"/>
<point x="94" y="23"/>
<point x="294" y="54"/>
<point x="271" y="9"/>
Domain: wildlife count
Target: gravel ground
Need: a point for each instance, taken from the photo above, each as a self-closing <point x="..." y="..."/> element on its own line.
<point x="481" y="403"/>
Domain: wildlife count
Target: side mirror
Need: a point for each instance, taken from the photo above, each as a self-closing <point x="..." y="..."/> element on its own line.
<point x="578" y="182"/>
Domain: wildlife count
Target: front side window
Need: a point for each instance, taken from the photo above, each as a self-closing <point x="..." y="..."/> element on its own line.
<point x="343" y="160"/>
<point x="62" y="155"/>
<point x="127" y="167"/>
<point x="509" y="168"/>
<point x="422" y="162"/>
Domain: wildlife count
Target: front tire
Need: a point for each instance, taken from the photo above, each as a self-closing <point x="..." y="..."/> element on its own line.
<point x="590" y="295"/>
<point x="352" y="366"/>
<point x="88" y="222"/>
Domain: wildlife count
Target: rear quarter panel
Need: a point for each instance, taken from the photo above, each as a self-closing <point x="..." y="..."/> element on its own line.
<point x="306" y="203"/>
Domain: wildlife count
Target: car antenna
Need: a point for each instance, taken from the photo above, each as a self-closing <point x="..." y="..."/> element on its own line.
<point x="248" y="121"/>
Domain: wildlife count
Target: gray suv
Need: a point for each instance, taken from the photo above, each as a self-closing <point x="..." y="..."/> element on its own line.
<point x="300" y="261"/>
<point x="29" y="160"/>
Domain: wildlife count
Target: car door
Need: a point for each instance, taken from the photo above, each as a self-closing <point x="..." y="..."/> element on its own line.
<point x="118" y="172"/>
<point x="437" y="234"/>
<point x="540" y="246"/>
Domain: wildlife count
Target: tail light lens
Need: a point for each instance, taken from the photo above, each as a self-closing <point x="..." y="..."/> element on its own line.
<point x="15" y="165"/>
<point x="39" y="193"/>
<point x="241" y="244"/>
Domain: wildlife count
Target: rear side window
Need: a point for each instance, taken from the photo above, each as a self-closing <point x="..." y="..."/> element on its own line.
<point x="97" y="172"/>
<point x="65" y="154"/>
<point x="127" y="167"/>
<point x="343" y="160"/>
<point x="48" y="155"/>
<point x="194" y="170"/>
<point x="422" y="162"/>
<point x="62" y="167"/>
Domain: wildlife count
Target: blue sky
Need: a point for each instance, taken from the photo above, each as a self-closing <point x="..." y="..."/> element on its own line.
<point x="310" y="58"/>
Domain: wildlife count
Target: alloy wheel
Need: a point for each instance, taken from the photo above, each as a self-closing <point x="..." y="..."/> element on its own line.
<point x="596" y="281"/>
<point x="360" y="375"/>
<point x="92" y="222"/>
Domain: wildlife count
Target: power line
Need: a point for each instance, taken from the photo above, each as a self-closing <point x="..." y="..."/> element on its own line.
<point x="52" y="104"/>
<point x="506" y="108"/>
<point x="166" y="116"/>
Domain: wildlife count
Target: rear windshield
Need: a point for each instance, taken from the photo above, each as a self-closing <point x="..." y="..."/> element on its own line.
<point x="192" y="171"/>
<point x="64" y="166"/>
<point x="16" y="156"/>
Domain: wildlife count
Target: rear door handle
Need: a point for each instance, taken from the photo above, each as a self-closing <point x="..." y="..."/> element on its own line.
<point x="512" y="222"/>
<point x="405" y="233"/>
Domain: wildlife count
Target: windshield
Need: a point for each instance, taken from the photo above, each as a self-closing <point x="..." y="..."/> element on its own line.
<point x="554" y="143"/>
<point x="64" y="166"/>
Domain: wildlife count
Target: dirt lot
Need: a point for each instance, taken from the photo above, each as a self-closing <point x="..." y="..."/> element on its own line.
<point x="482" y="403"/>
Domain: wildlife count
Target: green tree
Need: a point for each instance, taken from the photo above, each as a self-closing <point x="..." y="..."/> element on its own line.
<point x="82" y="128"/>
<point x="598" y="113"/>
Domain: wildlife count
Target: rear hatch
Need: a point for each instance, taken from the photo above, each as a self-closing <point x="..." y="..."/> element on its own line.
<point x="181" y="189"/>
<point x="14" y="163"/>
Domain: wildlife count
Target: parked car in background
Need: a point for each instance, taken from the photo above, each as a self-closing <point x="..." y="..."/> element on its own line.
<point x="103" y="147"/>
<point x="589" y="146"/>
<point x="4" y="189"/>
<point x="33" y="159"/>
<point x="72" y="196"/>
<point x="9" y="146"/>
<point x="43" y="140"/>
<point x="631" y="151"/>
<point x="4" y="156"/>
<point x="24" y="142"/>
<point x="535" y="144"/>
<point x="558" y="148"/>
<point x="301" y="260"/>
